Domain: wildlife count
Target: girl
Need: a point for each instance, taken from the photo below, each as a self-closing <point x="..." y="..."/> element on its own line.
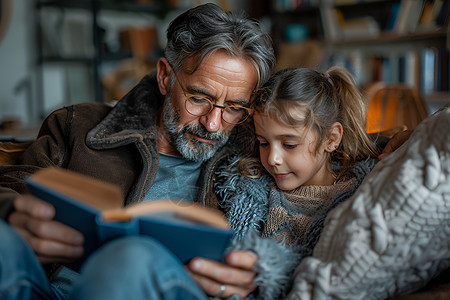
<point x="315" y="152"/>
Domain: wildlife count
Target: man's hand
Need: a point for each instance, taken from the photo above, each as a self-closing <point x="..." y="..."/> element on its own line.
<point x="395" y="142"/>
<point x="236" y="275"/>
<point x="51" y="241"/>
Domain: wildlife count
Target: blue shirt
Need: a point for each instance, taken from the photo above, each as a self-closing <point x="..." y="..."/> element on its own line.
<point x="176" y="179"/>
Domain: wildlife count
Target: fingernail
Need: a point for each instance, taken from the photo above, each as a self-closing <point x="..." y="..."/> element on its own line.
<point x="46" y="212"/>
<point x="196" y="265"/>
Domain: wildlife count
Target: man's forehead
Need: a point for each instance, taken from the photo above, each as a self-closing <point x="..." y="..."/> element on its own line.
<point x="220" y="59"/>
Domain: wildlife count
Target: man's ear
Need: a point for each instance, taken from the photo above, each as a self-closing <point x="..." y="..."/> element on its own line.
<point x="163" y="71"/>
<point x="334" y="137"/>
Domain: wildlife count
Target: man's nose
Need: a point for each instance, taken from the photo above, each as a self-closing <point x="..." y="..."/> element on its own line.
<point x="212" y="120"/>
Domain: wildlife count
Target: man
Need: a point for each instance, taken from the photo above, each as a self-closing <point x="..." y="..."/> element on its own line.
<point x="183" y="117"/>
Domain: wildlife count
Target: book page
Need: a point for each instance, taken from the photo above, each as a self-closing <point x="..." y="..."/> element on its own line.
<point x="193" y="212"/>
<point x="93" y="192"/>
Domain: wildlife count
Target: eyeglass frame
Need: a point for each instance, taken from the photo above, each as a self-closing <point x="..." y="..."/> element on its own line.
<point x="188" y="95"/>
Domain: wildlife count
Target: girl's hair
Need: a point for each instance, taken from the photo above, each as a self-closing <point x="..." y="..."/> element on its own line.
<point x="322" y="99"/>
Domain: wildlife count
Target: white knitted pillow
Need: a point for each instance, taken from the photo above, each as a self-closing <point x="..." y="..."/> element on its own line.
<point x="393" y="235"/>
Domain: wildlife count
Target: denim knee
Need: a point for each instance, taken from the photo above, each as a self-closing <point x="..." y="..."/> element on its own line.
<point x="21" y="274"/>
<point x="132" y="255"/>
<point x="14" y="251"/>
<point x="138" y="266"/>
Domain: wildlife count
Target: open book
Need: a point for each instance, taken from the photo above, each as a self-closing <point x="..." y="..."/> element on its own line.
<point x="95" y="208"/>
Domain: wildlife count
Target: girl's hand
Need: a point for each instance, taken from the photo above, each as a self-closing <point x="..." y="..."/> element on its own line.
<point x="395" y="142"/>
<point x="236" y="275"/>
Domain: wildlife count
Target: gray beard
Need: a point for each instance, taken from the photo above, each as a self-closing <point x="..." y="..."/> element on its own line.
<point x="190" y="148"/>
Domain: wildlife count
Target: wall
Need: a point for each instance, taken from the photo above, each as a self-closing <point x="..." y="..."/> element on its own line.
<point x="16" y="65"/>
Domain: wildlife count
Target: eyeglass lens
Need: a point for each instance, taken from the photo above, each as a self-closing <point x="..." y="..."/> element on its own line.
<point x="230" y="114"/>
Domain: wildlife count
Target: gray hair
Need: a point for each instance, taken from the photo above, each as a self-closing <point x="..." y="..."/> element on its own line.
<point x="207" y="28"/>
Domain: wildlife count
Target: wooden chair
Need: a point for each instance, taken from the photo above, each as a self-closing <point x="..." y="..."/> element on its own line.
<point x="11" y="150"/>
<point x="391" y="106"/>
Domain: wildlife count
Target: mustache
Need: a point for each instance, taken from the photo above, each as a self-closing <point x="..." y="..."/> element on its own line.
<point x="200" y="131"/>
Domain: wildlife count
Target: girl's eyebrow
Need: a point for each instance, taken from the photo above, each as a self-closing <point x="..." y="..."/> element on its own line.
<point x="281" y="136"/>
<point x="289" y="136"/>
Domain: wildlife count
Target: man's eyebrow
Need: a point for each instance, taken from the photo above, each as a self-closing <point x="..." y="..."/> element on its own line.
<point x="202" y="91"/>
<point x="199" y="90"/>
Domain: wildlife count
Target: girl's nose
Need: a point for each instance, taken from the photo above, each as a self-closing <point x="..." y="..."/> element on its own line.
<point x="274" y="158"/>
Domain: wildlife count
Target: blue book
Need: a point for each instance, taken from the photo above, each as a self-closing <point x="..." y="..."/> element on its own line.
<point x="95" y="208"/>
<point x="393" y="15"/>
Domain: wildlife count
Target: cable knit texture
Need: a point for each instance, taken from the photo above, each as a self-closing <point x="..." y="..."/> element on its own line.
<point x="393" y="235"/>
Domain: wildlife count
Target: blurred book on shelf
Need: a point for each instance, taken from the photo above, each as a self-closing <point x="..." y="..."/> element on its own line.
<point x="417" y="16"/>
<point x="420" y="69"/>
<point x="338" y="28"/>
<point x="408" y="16"/>
<point x="434" y="15"/>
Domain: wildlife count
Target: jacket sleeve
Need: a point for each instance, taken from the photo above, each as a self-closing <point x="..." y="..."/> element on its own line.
<point x="49" y="149"/>
<point x="275" y="266"/>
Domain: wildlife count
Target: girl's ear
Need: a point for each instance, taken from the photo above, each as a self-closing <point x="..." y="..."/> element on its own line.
<point x="334" y="137"/>
<point x="163" y="70"/>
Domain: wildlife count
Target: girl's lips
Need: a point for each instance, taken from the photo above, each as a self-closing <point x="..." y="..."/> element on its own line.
<point x="280" y="175"/>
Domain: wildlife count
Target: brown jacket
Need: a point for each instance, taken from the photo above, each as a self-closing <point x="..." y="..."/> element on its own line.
<point x="118" y="145"/>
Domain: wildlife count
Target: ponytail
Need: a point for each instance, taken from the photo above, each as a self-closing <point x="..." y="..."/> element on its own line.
<point x="355" y="142"/>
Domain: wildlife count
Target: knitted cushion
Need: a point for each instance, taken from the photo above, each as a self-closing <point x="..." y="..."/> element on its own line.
<point x="393" y="235"/>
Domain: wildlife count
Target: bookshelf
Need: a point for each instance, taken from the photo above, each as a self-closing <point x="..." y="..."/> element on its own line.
<point x="414" y="54"/>
<point x="365" y="37"/>
<point x="69" y="33"/>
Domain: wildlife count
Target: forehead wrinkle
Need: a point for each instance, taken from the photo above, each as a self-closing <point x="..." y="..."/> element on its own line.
<point x="229" y="73"/>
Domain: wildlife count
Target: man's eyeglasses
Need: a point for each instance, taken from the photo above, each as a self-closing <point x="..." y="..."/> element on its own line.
<point x="200" y="106"/>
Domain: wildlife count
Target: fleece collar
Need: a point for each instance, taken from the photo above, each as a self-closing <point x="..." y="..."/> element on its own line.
<point x="132" y="119"/>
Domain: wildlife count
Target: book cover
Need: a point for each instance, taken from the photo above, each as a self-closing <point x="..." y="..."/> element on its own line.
<point x="330" y="23"/>
<point x="95" y="208"/>
<point x="408" y="16"/>
<point x="442" y="15"/>
<point x="429" y="74"/>
<point x="393" y="15"/>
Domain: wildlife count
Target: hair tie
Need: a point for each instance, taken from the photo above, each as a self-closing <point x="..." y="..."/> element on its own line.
<point x="326" y="75"/>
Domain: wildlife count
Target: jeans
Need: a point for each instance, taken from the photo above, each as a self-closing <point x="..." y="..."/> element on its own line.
<point x="136" y="267"/>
